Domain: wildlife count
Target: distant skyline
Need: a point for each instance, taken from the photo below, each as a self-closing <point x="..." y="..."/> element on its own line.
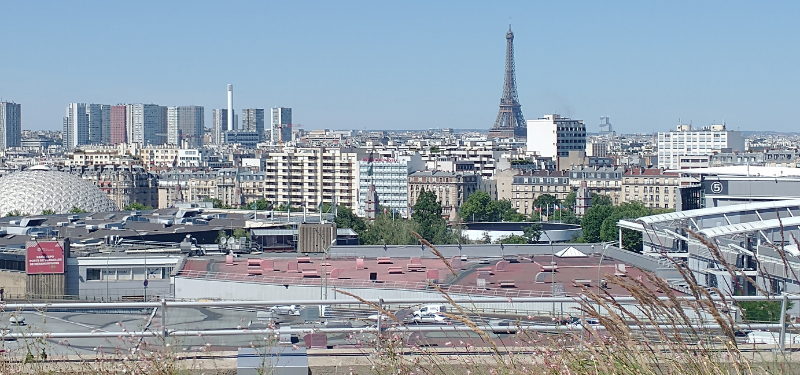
<point x="411" y="65"/>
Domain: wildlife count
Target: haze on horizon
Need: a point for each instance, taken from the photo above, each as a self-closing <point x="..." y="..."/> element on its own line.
<point x="411" y="65"/>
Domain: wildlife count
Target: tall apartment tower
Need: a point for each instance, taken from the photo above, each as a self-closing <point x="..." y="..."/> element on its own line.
<point x="105" y="119"/>
<point x="96" y="114"/>
<point x="280" y="127"/>
<point x="220" y="123"/>
<point x="253" y="121"/>
<point x="76" y="126"/>
<point x="185" y="125"/>
<point x="119" y="126"/>
<point x="10" y="125"/>
<point x="149" y="124"/>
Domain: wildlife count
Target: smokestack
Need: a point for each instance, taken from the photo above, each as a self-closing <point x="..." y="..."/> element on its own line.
<point x="230" y="107"/>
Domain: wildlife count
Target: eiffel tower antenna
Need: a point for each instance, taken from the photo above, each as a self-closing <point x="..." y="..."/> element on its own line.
<point x="510" y="122"/>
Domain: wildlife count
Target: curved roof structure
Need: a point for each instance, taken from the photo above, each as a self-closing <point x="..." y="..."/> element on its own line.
<point x="36" y="190"/>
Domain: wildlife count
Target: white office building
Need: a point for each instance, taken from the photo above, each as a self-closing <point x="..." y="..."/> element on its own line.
<point x="149" y="124"/>
<point x="76" y="126"/>
<point x="10" y="125"/>
<point x="390" y="176"/>
<point x="280" y="129"/>
<point x="685" y="141"/>
<point x="555" y="136"/>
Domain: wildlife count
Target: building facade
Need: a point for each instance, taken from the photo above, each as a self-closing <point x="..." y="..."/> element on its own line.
<point x="451" y="188"/>
<point x="390" y="178"/>
<point x="253" y="121"/>
<point x="555" y="136"/>
<point x="280" y="129"/>
<point x="652" y="186"/>
<point x="76" y="126"/>
<point x="119" y="126"/>
<point x="599" y="180"/>
<point x="10" y="125"/>
<point x="245" y="138"/>
<point x="149" y="124"/>
<point x="185" y="126"/>
<point x="123" y="184"/>
<point x="303" y="177"/>
<point x="523" y="187"/>
<point x="685" y="141"/>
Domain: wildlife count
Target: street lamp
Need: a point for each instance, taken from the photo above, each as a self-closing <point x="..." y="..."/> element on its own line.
<point x="600" y="264"/>
<point x="552" y="270"/>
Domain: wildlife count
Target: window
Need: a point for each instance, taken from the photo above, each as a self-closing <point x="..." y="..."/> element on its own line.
<point x="92" y="274"/>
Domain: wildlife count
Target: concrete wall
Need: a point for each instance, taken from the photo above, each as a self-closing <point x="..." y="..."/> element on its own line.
<point x="13" y="283"/>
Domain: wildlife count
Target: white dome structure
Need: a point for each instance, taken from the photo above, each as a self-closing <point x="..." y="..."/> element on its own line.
<point x="37" y="189"/>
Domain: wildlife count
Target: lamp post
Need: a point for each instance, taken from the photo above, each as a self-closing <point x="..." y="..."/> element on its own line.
<point x="552" y="270"/>
<point x="324" y="291"/>
<point x="600" y="264"/>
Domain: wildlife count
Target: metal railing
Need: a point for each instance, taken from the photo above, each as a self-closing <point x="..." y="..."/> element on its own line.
<point x="163" y="307"/>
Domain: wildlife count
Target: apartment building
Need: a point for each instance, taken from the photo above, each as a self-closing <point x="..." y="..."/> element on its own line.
<point x="451" y="188"/>
<point x="306" y="177"/>
<point x="652" y="186"/>
<point x="10" y="125"/>
<point x="123" y="184"/>
<point x="522" y="187"/>
<point x="599" y="180"/>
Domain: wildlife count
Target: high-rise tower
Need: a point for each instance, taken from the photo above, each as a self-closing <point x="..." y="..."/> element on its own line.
<point x="510" y="122"/>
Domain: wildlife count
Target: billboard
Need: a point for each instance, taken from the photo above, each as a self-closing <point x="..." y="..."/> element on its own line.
<point x="44" y="257"/>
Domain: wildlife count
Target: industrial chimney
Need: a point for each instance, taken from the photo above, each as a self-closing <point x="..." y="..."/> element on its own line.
<point x="230" y="107"/>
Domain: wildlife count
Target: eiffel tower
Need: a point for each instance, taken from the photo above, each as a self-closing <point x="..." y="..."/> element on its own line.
<point x="510" y="123"/>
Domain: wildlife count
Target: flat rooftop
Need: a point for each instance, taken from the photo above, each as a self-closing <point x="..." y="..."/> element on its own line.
<point x="525" y="276"/>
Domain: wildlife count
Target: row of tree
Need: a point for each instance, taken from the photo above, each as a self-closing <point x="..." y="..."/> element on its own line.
<point x="600" y="223"/>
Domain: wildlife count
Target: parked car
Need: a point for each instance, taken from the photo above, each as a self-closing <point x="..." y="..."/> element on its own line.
<point x="286" y="309"/>
<point x="434" y="318"/>
<point x="427" y="309"/>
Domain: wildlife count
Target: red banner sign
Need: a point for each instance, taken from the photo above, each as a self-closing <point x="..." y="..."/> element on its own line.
<point x="44" y="257"/>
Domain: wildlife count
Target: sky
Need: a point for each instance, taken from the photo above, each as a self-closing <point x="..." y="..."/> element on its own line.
<point x="379" y="65"/>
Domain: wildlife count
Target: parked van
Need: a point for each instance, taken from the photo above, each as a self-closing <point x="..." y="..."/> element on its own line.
<point x="427" y="309"/>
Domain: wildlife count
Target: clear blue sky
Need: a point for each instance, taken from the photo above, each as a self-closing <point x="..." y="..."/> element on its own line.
<point x="411" y="64"/>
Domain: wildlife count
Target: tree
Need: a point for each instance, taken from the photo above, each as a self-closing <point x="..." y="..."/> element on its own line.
<point x="240" y="232"/>
<point x="427" y="214"/>
<point x="478" y="207"/>
<point x="217" y="203"/>
<point x="532" y="232"/>
<point x="284" y="207"/>
<point x="345" y="218"/>
<point x="593" y="221"/>
<point x="609" y="231"/>
<point x="762" y="311"/>
<point x="505" y="211"/>
<point x="544" y="201"/>
<point x="570" y="200"/>
<point x="513" y="239"/>
<point x="601" y="200"/>
<point x="389" y="231"/>
<point x="16" y="213"/>
<point x="136" y="206"/>
<point x="77" y="210"/>
<point x="435" y="150"/>
<point x="48" y="212"/>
